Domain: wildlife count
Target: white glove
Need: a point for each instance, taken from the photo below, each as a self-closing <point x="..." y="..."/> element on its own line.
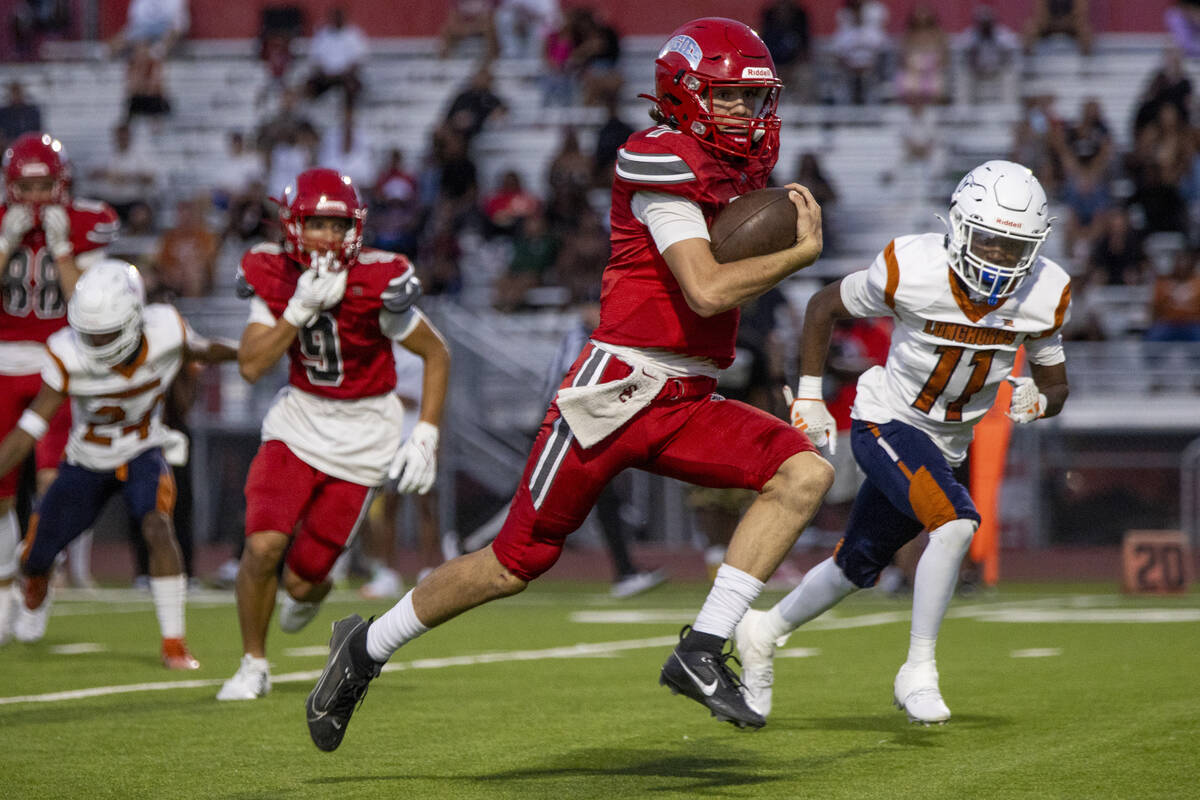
<point x="18" y="221"/>
<point x="315" y="291"/>
<point x="1027" y="402"/>
<point x="809" y="413"/>
<point x="175" y="447"/>
<point x="415" y="463"/>
<point x="57" y="226"/>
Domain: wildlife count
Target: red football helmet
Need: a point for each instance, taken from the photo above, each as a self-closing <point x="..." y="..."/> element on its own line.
<point x="36" y="155"/>
<point x="321" y="192"/>
<point x="713" y="52"/>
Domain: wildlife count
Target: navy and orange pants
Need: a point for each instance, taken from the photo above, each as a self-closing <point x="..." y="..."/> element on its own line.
<point x="909" y="487"/>
<point x="78" y="495"/>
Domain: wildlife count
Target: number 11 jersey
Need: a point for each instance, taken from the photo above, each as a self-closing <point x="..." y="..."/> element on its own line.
<point x="949" y="354"/>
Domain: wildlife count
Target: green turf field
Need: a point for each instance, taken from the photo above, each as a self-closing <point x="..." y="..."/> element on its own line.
<point x="1057" y="692"/>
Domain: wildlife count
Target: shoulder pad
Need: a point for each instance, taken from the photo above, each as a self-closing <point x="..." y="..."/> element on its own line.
<point x="242" y="287"/>
<point x="402" y="292"/>
<point x="267" y="248"/>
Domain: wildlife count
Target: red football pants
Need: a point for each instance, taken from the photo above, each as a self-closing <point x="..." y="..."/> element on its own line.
<point x="686" y="432"/>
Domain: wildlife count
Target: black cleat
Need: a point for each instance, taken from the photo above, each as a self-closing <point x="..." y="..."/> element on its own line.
<point x="341" y="687"/>
<point x="706" y="678"/>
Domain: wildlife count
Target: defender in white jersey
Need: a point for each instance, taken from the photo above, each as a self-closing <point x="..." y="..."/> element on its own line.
<point x="963" y="304"/>
<point x="115" y="361"/>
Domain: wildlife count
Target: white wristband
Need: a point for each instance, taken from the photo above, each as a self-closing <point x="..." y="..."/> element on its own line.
<point x="810" y="388"/>
<point x="33" y="424"/>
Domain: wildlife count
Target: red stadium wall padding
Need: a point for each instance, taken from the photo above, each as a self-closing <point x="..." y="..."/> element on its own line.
<point x="218" y="19"/>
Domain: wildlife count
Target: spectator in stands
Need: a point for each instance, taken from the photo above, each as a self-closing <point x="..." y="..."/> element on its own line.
<point x="1033" y="141"/>
<point x="559" y="60"/>
<point x="1117" y="257"/>
<point x="585" y="250"/>
<point x="186" y="263"/>
<point x="599" y="57"/>
<point x="282" y="125"/>
<point x="33" y="20"/>
<point x="522" y="26"/>
<point x="569" y="167"/>
<point x="157" y="24"/>
<point x="534" y="253"/>
<point x="783" y="26"/>
<point x="347" y="149"/>
<point x="396" y="211"/>
<point x="127" y="180"/>
<point x="810" y="174"/>
<point x="235" y="173"/>
<point x="989" y="49"/>
<point x="859" y="45"/>
<point x="1183" y="22"/>
<point x="279" y="26"/>
<point x="18" y="115"/>
<point x="1169" y="84"/>
<point x="337" y="52"/>
<point x="1085" y="152"/>
<point x="1163" y="150"/>
<point x="1060" y="17"/>
<point x="475" y="106"/>
<point x="924" y="56"/>
<point x="1175" y="305"/>
<point x="292" y="156"/>
<point x="250" y="219"/>
<point x="145" y="88"/>
<point x="609" y="139"/>
<point x="470" y="19"/>
<point x="509" y="205"/>
<point x="1088" y="142"/>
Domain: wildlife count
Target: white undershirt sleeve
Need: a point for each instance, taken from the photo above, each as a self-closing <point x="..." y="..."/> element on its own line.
<point x="260" y="312"/>
<point x="669" y="217"/>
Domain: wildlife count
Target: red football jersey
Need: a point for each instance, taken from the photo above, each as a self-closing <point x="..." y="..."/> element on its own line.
<point x="641" y="303"/>
<point x="34" y="306"/>
<point x="344" y="353"/>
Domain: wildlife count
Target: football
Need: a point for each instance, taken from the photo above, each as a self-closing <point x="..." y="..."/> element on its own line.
<point x="754" y="224"/>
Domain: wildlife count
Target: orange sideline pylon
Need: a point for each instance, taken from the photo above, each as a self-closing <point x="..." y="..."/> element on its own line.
<point x="989" y="453"/>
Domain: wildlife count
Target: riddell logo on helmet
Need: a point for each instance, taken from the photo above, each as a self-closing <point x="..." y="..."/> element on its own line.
<point x="1009" y="223"/>
<point x="757" y="72"/>
<point x="331" y="206"/>
<point x="35" y="170"/>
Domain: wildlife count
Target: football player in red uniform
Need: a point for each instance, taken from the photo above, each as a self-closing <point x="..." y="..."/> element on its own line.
<point x="46" y="238"/>
<point x="641" y="392"/>
<point x="333" y="435"/>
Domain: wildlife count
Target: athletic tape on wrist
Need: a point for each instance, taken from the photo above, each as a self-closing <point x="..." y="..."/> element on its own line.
<point x="33" y="424"/>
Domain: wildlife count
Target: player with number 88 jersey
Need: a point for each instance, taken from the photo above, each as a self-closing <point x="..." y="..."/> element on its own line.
<point x="334" y="433"/>
<point x="46" y="237"/>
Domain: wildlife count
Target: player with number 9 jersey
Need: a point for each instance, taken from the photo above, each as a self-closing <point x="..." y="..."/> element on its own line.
<point x="334" y="433"/>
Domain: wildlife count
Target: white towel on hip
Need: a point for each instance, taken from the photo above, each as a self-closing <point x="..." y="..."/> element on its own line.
<point x="595" y="412"/>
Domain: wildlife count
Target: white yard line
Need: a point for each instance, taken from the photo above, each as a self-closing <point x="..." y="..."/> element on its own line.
<point x="592" y="650"/>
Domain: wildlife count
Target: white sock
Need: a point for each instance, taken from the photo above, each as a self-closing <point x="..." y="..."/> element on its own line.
<point x="397" y="627"/>
<point x="10" y="544"/>
<point x="256" y="664"/>
<point x="821" y="588"/>
<point x="8" y="610"/>
<point x="170" y="595"/>
<point x="80" y="558"/>
<point x="731" y="595"/>
<point x="933" y="585"/>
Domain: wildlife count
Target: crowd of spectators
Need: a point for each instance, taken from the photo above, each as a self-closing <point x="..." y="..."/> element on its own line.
<point x="539" y="237"/>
